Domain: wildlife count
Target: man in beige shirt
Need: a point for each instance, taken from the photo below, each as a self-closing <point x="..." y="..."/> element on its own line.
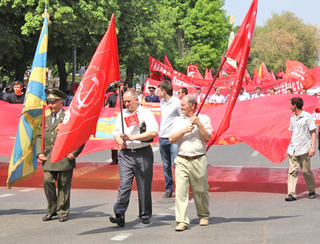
<point x="191" y="162"/>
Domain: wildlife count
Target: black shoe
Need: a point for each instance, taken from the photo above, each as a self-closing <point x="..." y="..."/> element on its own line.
<point x="290" y="198"/>
<point x="168" y="194"/>
<point x="312" y="195"/>
<point x="49" y="216"/>
<point x="119" y="220"/>
<point x="145" y="221"/>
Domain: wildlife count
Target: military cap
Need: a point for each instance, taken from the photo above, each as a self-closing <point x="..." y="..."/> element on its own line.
<point x="54" y="94"/>
<point x="152" y="88"/>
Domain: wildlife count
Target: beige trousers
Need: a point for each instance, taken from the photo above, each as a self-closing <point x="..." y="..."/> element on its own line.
<point x="194" y="173"/>
<point x="304" y="162"/>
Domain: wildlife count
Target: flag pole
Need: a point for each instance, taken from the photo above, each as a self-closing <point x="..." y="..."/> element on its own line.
<point x="121" y="109"/>
<point x="212" y="83"/>
<point x="43" y="126"/>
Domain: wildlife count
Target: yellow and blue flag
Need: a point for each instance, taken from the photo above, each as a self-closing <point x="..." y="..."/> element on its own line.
<point x="23" y="162"/>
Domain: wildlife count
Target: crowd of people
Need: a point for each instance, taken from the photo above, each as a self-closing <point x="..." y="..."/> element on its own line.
<point x="182" y="141"/>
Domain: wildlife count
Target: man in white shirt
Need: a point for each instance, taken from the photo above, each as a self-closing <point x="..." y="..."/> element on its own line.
<point x="243" y="95"/>
<point x="170" y="109"/>
<point x="135" y="158"/>
<point x="192" y="133"/>
<point x="217" y="97"/>
<point x="258" y="93"/>
<point x="301" y="148"/>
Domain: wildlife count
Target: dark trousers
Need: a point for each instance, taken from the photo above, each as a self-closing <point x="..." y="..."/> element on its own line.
<point x="114" y="156"/>
<point x="138" y="164"/>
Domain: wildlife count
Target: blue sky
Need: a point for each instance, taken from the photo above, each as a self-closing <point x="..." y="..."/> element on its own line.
<point x="307" y="10"/>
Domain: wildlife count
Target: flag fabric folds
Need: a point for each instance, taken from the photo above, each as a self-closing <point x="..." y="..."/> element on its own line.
<point x="23" y="162"/>
<point x="238" y="50"/>
<point x="81" y="118"/>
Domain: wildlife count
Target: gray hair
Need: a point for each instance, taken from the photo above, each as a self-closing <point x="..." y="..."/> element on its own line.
<point x="191" y="100"/>
<point x="133" y="92"/>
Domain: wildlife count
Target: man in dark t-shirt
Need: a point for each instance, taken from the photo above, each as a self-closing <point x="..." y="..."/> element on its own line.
<point x="18" y="95"/>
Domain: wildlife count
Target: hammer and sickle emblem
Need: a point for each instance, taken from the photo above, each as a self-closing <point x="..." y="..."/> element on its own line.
<point x="83" y="101"/>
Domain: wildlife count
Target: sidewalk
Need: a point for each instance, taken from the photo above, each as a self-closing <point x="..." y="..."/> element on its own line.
<point x="221" y="178"/>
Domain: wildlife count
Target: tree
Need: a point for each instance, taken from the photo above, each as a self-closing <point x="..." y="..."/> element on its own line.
<point x="285" y="37"/>
<point x="139" y="35"/>
<point x="73" y="25"/>
<point x="16" y="49"/>
<point x="203" y="30"/>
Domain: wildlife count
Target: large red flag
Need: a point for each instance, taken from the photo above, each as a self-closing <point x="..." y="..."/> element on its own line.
<point x="81" y="118"/>
<point x="300" y="72"/>
<point x="239" y="50"/>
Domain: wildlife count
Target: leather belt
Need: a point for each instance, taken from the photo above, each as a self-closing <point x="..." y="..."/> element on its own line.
<point x="191" y="157"/>
<point x="133" y="149"/>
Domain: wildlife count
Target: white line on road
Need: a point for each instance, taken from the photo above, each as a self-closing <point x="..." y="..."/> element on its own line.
<point x="141" y="225"/>
<point x="121" y="237"/>
<point x="254" y="154"/>
<point x="6" y="195"/>
<point x="28" y="189"/>
<point x="161" y="215"/>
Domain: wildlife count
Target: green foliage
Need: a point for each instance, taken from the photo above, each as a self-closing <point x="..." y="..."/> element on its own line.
<point x="206" y="29"/>
<point x="285" y="37"/>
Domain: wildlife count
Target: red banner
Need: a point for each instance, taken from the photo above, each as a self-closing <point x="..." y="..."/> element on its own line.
<point x="81" y="118"/>
<point x="265" y="130"/>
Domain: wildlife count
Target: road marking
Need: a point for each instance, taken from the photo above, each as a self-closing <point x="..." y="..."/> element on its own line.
<point x="27" y="190"/>
<point x="254" y="154"/>
<point x="141" y="225"/>
<point x="121" y="237"/>
<point x="161" y="215"/>
<point x="6" y="195"/>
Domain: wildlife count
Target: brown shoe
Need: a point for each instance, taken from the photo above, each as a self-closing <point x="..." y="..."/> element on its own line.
<point x="204" y="222"/>
<point x="181" y="227"/>
<point x="63" y="219"/>
<point x="49" y="216"/>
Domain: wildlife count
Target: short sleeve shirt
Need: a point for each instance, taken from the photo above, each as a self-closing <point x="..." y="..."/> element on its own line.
<point x="301" y="128"/>
<point x="169" y="111"/>
<point x="191" y="143"/>
<point x="133" y="128"/>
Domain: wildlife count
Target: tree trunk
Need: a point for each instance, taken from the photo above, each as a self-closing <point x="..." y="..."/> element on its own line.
<point x="63" y="75"/>
<point x="129" y="75"/>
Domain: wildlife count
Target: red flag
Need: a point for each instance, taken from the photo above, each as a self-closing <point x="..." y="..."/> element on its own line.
<point x="81" y="118"/>
<point x="256" y="77"/>
<point x="193" y="71"/>
<point x="300" y="72"/>
<point x="166" y="61"/>
<point x="239" y="50"/>
<point x="228" y="68"/>
<point x="155" y="76"/>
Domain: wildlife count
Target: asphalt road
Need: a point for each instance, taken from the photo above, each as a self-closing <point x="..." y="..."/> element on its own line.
<point x="236" y="217"/>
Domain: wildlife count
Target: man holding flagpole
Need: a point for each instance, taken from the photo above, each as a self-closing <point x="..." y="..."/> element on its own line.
<point x="61" y="171"/>
<point x="133" y="134"/>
